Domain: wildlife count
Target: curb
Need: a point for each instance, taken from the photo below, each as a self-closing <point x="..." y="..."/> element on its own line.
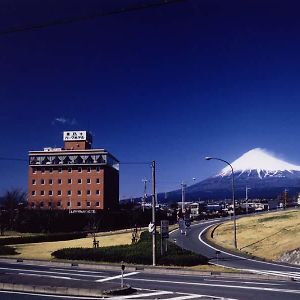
<point x="64" y="291"/>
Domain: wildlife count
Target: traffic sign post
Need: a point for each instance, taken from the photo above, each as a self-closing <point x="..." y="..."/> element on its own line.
<point x="218" y="253"/>
<point x="164" y="234"/>
<point x="122" y="275"/>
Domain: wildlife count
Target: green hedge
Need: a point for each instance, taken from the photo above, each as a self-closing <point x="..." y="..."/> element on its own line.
<point x="42" y="238"/>
<point x="139" y="253"/>
<point x="6" y="250"/>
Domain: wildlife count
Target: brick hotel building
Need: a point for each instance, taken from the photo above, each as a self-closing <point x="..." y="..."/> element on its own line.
<point x="75" y="177"/>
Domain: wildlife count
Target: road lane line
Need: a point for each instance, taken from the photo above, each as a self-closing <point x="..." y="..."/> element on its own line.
<point x="115" y="277"/>
<point x="247" y="282"/>
<point x="220" y="285"/>
<point x="237" y="256"/>
<point x="191" y="297"/>
<point x="51" y="295"/>
<point x="48" y="276"/>
<point x="79" y="271"/>
<point x="51" y="272"/>
<point x="274" y="273"/>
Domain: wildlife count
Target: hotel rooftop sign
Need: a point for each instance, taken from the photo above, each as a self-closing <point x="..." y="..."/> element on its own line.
<point x="76" y="136"/>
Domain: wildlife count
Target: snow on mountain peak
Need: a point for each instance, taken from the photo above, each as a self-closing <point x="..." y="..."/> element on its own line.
<point x="260" y="160"/>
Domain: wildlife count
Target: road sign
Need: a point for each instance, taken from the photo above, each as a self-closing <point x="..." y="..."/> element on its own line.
<point x="151" y="227"/>
<point x="164" y="229"/>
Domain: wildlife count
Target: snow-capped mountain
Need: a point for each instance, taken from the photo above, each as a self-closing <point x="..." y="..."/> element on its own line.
<point x="257" y="169"/>
<point x="261" y="162"/>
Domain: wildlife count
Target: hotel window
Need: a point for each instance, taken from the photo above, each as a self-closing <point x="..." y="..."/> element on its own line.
<point x="42" y="181"/>
<point x="50" y="170"/>
<point x="59" y="181"/>
<point x="69" y="180"/>
<point x="32" y="204"/>
<point x="50" y="193"/>
<point x="33" y="170"/>
<point x="97" y="192"/>
<point x="88" y="180"/>
<point x="98" y="169"/>
<point x="97" y="180"/>
<point x="79" y="169"/>
<point x="68" y="204"/>
<point x="42" y="193"/>
<point x="97" y="203"/>
<point x="69" y="193"/>
<point x="33" y="181"/>
<point x="79" y="180"/>
<point x="59" y="170"/>
<point x="79" y="192"/>
<point x="88" y="192"/>
<point x="88" y="204"/>
<point x="50" y="181"/>
<point x="58" y="204"/>
<point x="78" y="203"/>
<point x="33" y="193"/>
<point x="70" y="170"/>
<point x="49" y="204"/>
<point x="89" y="170"/>
<point x="59" y="193"/>
<point x="43" y="170"/>
<point x="41" y="204"/>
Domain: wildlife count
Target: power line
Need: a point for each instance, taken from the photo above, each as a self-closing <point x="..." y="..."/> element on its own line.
<point x="87" y="17"/>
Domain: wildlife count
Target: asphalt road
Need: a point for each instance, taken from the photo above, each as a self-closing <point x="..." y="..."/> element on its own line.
<point x="195" y="241"/>
<point x="149" y="285"/>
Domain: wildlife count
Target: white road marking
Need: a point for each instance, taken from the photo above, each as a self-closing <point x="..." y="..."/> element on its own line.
<point x="144" y="295"/>
<point x="246" y="282"/>
<point x="237" y="256"/>
<point x="189" y="297"/>
<point x="51" y="272"/>
<point x="48" y="276"/>
<point x="275" y="273"/>
<point x="115" y="277"/>
<point x="50" y="295"/>
<point x="221" y="285"/>
<point x="79" y="271"/>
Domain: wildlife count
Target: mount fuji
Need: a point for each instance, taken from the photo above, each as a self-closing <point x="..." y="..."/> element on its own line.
<point x="257" y="169"/>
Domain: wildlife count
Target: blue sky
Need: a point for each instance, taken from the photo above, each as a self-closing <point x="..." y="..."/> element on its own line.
<point x="172" y="84"/>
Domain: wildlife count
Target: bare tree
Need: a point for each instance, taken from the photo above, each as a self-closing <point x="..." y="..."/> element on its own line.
<point x="14" y="200"/>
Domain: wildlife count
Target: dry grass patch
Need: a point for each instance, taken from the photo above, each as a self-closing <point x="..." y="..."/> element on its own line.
<point x="43" y="250"/>
<point x="267" y="236"/>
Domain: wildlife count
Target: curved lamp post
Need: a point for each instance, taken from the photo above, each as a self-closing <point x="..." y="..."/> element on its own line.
<point x="233" y="200"/>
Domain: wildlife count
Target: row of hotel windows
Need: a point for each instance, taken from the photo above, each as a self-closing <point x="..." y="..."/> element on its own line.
<point x="69" y="181"/>
<point x="79" y="169"/>
<point x="58" y="204"/>
<point x="59" y="193"/>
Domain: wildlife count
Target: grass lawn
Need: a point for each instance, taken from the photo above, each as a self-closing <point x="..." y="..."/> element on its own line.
<point x="43" y="250"/>
<point x="267" y="236"/>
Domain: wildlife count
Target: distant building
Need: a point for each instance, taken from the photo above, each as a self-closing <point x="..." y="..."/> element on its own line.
<point x="75" y="177"/>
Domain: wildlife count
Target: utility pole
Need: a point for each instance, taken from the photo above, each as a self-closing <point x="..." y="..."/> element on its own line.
<point x="145" y="193"/>
<point x="182" y="196"/>
<point x="285" y="198"/>
<point x="153" y="214"/>
<point x="247" y="199"/>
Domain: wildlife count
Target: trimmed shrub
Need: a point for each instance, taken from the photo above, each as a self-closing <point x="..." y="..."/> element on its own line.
<point x="6" y="250"/>
<point x="42" y="238"/>
<point x="139" y="253"/>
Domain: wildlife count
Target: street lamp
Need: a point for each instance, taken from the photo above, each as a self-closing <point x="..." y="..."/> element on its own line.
<point x="233" y="200"/>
